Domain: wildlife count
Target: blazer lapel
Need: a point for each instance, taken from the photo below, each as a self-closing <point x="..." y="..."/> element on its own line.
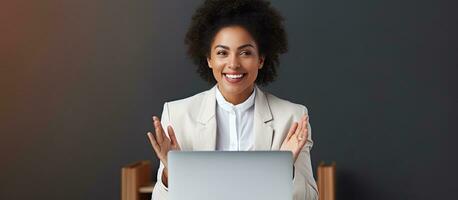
<point x="206" y="126"/>
<point x="263" y="132"/>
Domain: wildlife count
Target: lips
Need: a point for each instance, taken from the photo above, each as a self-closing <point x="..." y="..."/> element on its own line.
<point x="234" y="77"/>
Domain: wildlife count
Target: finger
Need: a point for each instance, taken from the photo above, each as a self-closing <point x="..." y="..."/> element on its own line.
<point x="299" y="127"/>
<point x="291" y="131"/>
<point x="303" y="140"/>
<point x="301" y="145"/>
<point x="163" y="133"/>
<point x="172" y="136"/>
<point x="302" y="137"/>
<point x="153" y="142"/>
<point x="302" y="134"/>
<point x="154" y="120"/>
<point x="306" y="126"/>
<point x="158" y="130"/>
<point x="306" y="122"/>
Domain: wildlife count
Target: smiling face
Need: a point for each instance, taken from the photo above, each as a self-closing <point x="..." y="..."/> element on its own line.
<point x="234" y="59"/>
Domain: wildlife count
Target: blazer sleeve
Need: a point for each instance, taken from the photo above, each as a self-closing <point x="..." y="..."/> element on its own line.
<point x="303" y="173"/>
<point x="160" y="190"/>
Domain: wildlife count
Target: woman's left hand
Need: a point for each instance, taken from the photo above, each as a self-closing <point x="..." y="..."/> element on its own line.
<point x="296" y="138"/>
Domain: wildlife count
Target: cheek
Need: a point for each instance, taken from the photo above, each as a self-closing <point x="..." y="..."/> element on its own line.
<point x="254" y="74"/>
<point x="217" y="70"/>
<point x="252" y="67"/>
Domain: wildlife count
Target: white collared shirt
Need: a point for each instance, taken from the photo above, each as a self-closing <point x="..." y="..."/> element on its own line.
<point x="234" y="124"/>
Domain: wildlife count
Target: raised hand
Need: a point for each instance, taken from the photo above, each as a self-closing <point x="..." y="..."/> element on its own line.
<point x="161" y="143"/>
<point x="297" y="137"/>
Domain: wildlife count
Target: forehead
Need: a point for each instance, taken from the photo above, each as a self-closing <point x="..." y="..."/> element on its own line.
<point x="233" y="36"/>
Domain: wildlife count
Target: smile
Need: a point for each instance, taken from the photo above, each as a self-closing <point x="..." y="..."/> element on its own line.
<point x="234" y="78"/>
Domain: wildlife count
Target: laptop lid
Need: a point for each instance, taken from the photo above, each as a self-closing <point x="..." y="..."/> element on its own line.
<point x="229" y="175"/>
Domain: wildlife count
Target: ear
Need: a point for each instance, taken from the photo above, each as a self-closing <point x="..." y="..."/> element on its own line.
<point x="261" y="61"/>
<point x="208" y="62"/>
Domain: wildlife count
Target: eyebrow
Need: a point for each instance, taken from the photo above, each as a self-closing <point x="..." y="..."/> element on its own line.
<point x="240" y="47"/>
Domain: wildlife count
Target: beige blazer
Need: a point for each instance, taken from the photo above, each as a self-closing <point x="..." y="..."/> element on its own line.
<point x="194" y="122"/>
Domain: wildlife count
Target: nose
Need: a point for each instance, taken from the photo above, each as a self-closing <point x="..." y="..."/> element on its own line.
<point x="233" y="62"/>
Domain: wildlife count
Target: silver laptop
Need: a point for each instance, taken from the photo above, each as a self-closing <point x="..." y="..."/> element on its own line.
<point x="230" y="175"/>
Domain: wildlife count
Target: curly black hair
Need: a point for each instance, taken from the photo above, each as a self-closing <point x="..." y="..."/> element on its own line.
<point x="258" y="17"/>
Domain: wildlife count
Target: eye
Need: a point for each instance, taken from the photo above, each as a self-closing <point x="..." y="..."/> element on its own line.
<point x="221" y="53"/>
<point x="245" y="53"/>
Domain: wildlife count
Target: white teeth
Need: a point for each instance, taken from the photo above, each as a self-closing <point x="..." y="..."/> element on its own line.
<point x="234" y="75"/>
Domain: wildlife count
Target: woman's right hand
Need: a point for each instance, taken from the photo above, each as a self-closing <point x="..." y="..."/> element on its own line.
<point x="161" y="143"/>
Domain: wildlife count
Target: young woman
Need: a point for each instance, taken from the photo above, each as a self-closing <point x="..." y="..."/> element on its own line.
<point x="235" y="45"/>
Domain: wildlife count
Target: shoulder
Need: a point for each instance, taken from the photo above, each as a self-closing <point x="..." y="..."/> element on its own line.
<point x="279" y="105"/>
<point x="192" y="101"/>
<point x="187" y="106"/>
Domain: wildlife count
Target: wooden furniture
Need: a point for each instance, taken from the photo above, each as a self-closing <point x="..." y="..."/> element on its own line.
<point x="136" y="181"/>
<point x="326" y="175"/>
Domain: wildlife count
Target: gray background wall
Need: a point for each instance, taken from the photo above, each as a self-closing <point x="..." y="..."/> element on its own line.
<point x="80" y="80"/>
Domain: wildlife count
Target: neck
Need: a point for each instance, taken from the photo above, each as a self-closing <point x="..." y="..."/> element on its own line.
<point x="237" y="98"/>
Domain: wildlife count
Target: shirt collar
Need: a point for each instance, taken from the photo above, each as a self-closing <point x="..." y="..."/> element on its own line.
<point x="229" y="106"/>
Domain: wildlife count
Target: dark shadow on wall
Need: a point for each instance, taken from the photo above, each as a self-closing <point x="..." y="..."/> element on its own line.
<point x="351" y="186"/>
